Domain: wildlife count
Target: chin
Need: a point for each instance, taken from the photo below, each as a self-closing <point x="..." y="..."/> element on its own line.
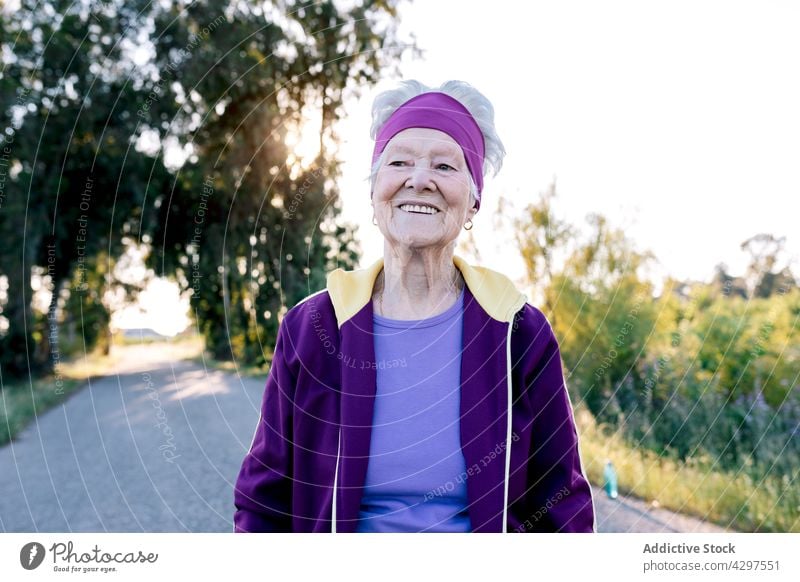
<point x="417" y="240"/>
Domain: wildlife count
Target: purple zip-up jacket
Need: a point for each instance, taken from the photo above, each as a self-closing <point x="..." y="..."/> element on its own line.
<point x="307" y="463"/>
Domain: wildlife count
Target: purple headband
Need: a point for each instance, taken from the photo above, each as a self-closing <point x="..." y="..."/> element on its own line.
<point x="435" y="110"/>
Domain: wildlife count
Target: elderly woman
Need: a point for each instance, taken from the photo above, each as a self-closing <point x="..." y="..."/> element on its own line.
<point x="422" y="393"/>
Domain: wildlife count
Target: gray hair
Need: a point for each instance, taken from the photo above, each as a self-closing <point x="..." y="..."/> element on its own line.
<point x="477" y="104"/>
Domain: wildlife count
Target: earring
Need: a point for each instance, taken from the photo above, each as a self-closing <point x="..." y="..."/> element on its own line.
<point x="470" y="225"/>
<point x="374" y="220"/>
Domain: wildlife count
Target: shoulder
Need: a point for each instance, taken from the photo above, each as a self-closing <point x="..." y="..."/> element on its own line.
<point x="532" y="335"/>
<point x="307" y="329"/>
<point x="315" y="300"/>
<point x="535" y="357"/>
<point x="530" y="321"/>
<point x="316" y="307"/>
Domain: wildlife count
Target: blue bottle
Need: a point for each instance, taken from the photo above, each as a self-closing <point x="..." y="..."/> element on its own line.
<point x="610" y="478"/>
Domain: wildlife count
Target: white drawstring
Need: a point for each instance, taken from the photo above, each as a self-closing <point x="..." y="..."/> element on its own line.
<point x="508" y="429"/>
<point x="335" y="481"/>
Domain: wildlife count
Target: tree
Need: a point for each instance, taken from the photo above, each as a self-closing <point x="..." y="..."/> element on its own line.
<point x="600" y="308"/>
<point x="728" y="285"/>
<point x="98" y="97"/>
<point x="70" y="91"/>
<point x="539" y="234"/>
<point x="764" y="276"/>
<point x="247" y="227"/>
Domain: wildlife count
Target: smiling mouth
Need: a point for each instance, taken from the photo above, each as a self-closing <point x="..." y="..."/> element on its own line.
<point x="417" y="209"/>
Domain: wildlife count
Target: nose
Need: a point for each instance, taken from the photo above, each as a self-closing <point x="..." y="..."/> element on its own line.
<point x="420" y="178"/>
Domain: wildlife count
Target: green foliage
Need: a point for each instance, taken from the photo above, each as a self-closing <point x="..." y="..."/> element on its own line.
<point x="698" y="486"/>
<point x="87" y="318"/>
<point x="723" y="382"/>
<point x="702" y="373"/>
<point x="76" y="183"/>
<point x="598" y="306"/>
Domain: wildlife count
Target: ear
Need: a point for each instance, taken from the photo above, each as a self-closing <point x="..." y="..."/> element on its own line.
<point x="471" y="213"/>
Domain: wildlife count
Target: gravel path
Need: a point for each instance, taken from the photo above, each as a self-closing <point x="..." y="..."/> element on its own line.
<point x="632" y="515"/>
<point x="157" y="446"/>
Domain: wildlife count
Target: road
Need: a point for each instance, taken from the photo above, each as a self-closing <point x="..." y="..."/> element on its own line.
<point x="157" y="446"/>
<point x="629" y="514"/>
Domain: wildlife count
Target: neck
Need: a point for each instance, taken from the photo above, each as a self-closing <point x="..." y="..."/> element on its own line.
<point x="416" y="283"/>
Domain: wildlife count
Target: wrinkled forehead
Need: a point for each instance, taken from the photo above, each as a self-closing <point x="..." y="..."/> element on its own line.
<point x="422" y="141"/>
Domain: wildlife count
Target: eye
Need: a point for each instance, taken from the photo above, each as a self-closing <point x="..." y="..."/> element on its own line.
<point x="396" y="163"/>
<point x="444" y="167"/>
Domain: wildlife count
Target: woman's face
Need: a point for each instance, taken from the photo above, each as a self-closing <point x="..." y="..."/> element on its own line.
<point x="424" y="167"/>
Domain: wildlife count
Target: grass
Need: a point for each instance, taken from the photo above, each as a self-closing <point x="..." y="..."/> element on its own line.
<point x="21" y="402"/>
<point x="733" y="500"/>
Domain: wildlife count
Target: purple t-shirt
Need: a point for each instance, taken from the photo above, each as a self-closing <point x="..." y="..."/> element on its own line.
<point x="416" y="476"/>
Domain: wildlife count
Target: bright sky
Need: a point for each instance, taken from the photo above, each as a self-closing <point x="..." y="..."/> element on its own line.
<point x="679" y="121"/>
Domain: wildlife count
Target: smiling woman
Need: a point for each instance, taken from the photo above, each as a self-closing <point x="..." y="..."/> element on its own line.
<point x="474" y="432"/>
<point x="421" y="198"/>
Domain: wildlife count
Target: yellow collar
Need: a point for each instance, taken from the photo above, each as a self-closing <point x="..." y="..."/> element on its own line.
<point x="350" y="291"/>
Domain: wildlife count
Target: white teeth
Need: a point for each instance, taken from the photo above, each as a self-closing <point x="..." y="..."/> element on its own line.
<point x="418" y="208"/>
